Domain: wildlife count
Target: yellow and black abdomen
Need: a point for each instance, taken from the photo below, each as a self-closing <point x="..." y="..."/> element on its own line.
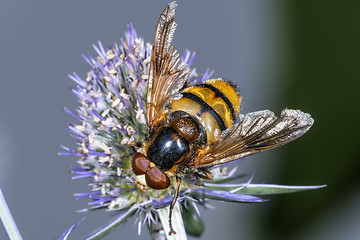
<point x="214" y="104"/>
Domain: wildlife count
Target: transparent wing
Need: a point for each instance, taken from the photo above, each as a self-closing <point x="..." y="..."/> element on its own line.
<point x="167" y="73"/>
<point x="255" y="132"/>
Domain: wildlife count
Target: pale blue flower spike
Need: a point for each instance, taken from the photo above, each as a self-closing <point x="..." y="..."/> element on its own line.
<point x="7" y="220"/>
<point x="177" y="222"/>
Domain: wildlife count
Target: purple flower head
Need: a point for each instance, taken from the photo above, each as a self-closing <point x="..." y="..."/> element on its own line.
<point x="110" y="117"/>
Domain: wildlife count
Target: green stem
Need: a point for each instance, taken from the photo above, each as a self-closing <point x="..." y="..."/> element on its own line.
<point x="177" y="222"/>
<point x="8" y="220"/>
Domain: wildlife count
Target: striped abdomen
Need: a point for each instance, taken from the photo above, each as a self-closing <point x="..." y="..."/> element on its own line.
<point x="214" y="104"/>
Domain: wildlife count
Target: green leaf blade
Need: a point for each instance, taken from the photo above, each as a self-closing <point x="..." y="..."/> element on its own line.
<point x="260" y="189"/>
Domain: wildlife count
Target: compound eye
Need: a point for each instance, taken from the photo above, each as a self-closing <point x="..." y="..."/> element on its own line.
<point x="156" y="179"/>
<point x="139" y="164"/>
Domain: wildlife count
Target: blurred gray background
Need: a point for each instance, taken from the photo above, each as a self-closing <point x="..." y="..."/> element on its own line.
<point x="303" y="54"/>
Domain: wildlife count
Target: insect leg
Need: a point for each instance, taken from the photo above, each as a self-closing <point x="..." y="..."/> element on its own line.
<point x="135" y="144"/>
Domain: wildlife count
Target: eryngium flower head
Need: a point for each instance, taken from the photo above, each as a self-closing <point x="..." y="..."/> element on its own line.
<point x="111" y="116"/>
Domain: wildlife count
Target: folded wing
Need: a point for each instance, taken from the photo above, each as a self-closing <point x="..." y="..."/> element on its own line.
<point x="167" y="74"/>
<point x="255" y="132"/>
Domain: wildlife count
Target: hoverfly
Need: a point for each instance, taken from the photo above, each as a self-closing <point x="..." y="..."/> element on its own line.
<point x="195" y="127"/>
